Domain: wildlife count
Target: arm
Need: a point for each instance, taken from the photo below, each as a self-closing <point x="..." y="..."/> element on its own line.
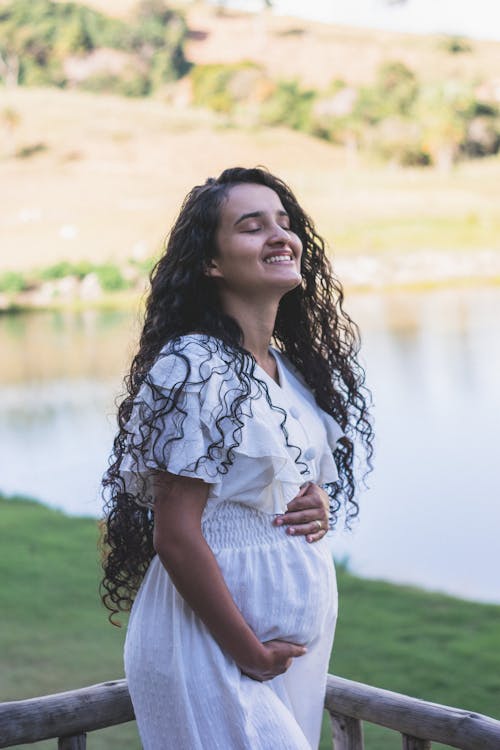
<point x="181" y="547"/>
<point x="304" y="511"/>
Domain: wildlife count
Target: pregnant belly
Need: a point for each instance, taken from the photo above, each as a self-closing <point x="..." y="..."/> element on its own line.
<point x="284" y="587"/>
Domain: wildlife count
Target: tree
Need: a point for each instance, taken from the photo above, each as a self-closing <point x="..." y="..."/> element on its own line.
<point x="394" y="93"/>
<point x="443" y="110"/>
<point x="37" y="37"/>
<point x="158" y="37"/>
<point x="290" y="105"/>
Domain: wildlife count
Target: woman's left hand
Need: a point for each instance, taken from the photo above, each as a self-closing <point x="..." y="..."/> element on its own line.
<point x="307" y="513"/>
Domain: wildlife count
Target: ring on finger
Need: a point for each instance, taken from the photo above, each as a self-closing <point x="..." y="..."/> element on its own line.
<point x="318" y="524"/>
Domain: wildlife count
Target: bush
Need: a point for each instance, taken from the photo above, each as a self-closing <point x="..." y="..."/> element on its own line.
<point x="289" y="105"/>
<point x="36" y="36"/>
<point x="145" y="265"/>
<point x="64" y="268"/>
<point x="131" y="85"/>
<point x="158" y="35"/>
<point x="399" y="140"/>
<point x="110" y="278"/>
<point x="395" y="92"/>
<point x="26" y="152"/>
<point x="40" y="33"/>
<point x="12" y="282"/>
<point x="222" y="87"/>
<point x="455" y="45"/>
<point x="482" y="137"/>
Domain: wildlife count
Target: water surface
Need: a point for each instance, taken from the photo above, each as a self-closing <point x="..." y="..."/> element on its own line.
<point x="431" y="515"/>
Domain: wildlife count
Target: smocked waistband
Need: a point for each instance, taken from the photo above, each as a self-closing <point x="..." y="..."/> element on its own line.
<point x="234" y="525"/>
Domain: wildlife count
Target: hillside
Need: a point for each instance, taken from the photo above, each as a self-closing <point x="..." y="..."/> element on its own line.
<point x="101" y="177"/>
<point x="110" y="173"/>
<point x="316" y="52"/>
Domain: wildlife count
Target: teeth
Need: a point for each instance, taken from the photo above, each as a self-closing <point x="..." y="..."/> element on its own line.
<point x="278" y="259"/>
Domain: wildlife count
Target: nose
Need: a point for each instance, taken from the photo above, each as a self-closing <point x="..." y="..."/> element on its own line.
<point x="278" y="235"/>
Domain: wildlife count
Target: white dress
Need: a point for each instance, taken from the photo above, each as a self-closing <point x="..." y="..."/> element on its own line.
<point x="187" y="693"/>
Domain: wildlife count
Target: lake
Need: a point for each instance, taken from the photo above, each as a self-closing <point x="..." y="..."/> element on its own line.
<point x="431" y="515"/>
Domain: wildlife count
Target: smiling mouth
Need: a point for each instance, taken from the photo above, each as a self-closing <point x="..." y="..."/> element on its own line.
<point x="281" y="258"/>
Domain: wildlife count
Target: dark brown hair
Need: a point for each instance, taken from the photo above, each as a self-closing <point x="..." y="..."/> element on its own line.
<point x="312" y="329"/>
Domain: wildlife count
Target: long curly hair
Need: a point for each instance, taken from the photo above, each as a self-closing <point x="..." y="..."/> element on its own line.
<point x="312" y="330"/>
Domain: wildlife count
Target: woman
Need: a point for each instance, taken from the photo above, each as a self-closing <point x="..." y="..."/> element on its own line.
<point x="215" y="519"/>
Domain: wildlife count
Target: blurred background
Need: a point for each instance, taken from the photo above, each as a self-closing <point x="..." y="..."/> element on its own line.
<point x="111" y="112"/>
<point x="384" y="118"/>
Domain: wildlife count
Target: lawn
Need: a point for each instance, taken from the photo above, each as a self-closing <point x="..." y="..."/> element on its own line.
<point x="54" y="634"/>
<point x="110" y="175"/>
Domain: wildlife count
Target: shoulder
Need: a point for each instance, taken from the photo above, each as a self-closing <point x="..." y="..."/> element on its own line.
<point x="191" y="360"/>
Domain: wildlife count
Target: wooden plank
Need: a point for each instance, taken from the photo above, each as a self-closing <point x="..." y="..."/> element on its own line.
<point x="414" y="743"/>
<point x="77" y="742"/>
<point x="451" y="726"/>
<point x="65" y="714"/>
<point x="347" y="732"/>
<point x="107" y="704"/>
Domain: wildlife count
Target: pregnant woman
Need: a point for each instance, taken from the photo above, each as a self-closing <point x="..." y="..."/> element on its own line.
<point x="244" y="403"/>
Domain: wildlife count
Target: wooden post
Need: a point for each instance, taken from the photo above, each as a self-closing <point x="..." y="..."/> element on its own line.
<point x="347" y="732"/>
<point x="451" y="726"/>
<point x="77" y="742"/>
<point x="414" y="743"/>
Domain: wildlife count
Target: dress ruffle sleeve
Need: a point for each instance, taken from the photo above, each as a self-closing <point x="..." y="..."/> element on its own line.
<point x="194" y="416"/>
<point x="174" y="425"/>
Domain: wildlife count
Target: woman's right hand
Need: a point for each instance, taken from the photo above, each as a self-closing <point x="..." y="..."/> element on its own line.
<point x="275" y="658"/>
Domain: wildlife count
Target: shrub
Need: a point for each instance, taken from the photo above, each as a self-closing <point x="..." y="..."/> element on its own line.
<point x="289" y="105"/>
<point x="12" y="282"/>
<point x="482" y="137"/>
<point x="110" y="277"/>
<point x="65" y="268"/>
<point x="222" y="87"/>
<point x="399" y="140"/>
<point x="36" y="36"/>
<point x="455" y="45"/>
<point x="129" y="85"/>
<point x="144" y="265"/>
<point x="395" y="92"/>
<point x="25" y="152"/>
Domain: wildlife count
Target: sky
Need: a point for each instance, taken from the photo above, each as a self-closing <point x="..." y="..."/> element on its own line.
<point x="475" y="18"/>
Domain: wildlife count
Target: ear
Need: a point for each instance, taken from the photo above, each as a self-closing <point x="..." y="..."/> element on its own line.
<point x="212" y="270"/>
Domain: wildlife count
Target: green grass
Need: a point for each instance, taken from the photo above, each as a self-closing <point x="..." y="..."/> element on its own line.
<point x="427" y="645"/>
<point x="54" y="634"/>
<point x="413" y="233"/>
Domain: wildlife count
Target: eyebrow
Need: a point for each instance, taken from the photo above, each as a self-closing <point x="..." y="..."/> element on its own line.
<point x="257" y="215"/>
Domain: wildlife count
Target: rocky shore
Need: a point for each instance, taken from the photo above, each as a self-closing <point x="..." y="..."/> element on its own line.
<point x="363" y="272"/>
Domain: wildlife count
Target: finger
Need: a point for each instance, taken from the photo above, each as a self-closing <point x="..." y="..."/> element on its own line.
<point x="301" y="517"/>
<point x="305" y="529"/>
<point x="316" y="536"/>
<point x="290" y="648"/>
<point x="309" y="500"/>
<point x="303" y="489"/>
<point x="297" y="517"/>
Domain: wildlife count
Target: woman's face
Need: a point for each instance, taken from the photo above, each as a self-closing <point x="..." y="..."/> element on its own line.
<point x="257" y="253"/>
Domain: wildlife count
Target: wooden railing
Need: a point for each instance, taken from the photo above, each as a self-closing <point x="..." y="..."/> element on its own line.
<point x="70" y="716"/>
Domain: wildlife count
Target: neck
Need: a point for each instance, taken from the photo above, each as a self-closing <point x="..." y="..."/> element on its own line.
<point x="256" y="319"/>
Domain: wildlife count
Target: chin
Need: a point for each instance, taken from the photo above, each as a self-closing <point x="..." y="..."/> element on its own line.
<point x="291" y="283"/>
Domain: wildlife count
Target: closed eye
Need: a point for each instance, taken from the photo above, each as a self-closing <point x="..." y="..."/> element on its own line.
<point x="257" y="229"/>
